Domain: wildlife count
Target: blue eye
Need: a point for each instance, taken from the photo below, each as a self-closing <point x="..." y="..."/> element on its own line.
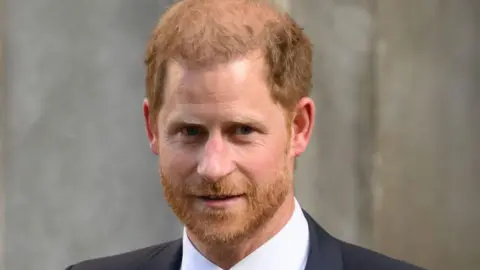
<point x="244" y="130"/>
<point x="191" y="131"/>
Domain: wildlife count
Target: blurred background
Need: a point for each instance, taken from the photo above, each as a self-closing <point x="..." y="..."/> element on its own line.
<point x="394" y="164"/>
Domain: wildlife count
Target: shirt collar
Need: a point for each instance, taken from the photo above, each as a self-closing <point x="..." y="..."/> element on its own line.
<point x="288" y="249"/>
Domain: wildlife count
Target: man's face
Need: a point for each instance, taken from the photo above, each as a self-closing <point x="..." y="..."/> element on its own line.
<point x="224" y="149"/>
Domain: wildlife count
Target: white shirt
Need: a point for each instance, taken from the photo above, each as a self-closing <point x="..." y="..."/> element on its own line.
<point x="287" y="250"/>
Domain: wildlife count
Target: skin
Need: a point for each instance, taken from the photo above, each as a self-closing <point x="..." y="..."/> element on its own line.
<point x="219" y="132"/>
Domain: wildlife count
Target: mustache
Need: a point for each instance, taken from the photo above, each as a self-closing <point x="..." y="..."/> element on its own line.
<point x="227" y="186"/>
<point x="217" y="188"/>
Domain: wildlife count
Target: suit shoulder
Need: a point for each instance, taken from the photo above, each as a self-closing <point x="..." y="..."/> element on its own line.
<point x="358" y="258"/>
<point x="124" y="261"/>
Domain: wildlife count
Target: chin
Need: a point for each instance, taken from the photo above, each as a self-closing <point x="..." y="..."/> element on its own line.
<point x="221" y="228"/>
<point x="221" y="234"/>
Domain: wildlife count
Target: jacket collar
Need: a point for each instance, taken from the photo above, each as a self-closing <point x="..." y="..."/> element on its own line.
<point x="168" y="257"/>
<point x="325" y="252"/>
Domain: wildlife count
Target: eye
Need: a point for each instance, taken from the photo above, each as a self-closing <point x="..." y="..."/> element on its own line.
<point x="243" y="130"/>
<point x="191" y="131"/>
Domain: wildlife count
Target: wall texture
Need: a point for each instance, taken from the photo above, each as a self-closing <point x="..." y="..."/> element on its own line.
<point x="2" y="138"/>
<point x="427" y="171"/>
<point x="394" y="164"/>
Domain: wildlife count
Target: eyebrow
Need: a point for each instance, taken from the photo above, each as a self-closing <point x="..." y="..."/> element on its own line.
<point x="177" y="120"/>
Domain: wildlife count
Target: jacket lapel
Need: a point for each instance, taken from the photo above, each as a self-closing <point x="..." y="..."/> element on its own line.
<point x="166" y="258"/>
<point x="325" y="252"/>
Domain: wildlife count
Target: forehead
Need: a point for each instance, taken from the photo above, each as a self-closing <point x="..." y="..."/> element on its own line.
<point x="236" y="88"/>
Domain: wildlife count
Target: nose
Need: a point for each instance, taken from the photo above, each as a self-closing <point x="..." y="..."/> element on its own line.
<point x="215" y="161"/>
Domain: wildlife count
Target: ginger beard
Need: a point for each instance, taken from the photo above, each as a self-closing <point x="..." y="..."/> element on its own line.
<point x="227" y="226"/>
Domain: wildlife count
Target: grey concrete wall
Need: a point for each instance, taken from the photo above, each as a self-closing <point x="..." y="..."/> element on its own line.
<point x="427" y="172"/>
<point x="80" y="180"/>
<point x="2" y="138"/>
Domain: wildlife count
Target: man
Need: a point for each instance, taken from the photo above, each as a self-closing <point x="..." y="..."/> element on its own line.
<point x="228" y="111"/>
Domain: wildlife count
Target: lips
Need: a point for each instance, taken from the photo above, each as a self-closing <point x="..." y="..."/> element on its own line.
<point x="220" y="201"/>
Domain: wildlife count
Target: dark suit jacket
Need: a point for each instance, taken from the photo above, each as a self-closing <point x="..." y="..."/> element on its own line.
<point x="326" y="253"/>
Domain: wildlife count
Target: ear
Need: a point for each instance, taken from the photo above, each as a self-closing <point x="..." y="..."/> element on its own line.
<point x="150" y="128"/>
<point x="302" y="125"/>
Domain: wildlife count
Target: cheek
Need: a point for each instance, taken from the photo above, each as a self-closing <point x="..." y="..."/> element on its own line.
<point x="174" y="162"/>
<point x="262" y="163"/>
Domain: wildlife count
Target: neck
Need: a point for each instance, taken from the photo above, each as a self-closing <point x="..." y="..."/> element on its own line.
<point x="226" y="256"/>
